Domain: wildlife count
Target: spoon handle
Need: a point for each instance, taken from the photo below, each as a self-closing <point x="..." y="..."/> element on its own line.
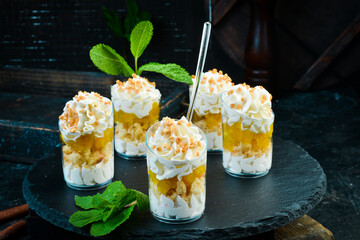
<point x="200" y="67"/>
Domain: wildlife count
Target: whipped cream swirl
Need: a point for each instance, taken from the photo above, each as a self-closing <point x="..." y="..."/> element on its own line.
<point x="136" y="95"/>
<point x="87" y="113"/>
<point x="251" y="105"/>
<point x="212" y="84"/>
<point x="176" y="148"/>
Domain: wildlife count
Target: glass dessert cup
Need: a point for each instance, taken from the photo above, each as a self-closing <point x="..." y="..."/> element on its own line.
<point x="210" y="124"/>
<point x="207" y="106"/>
<point x="88" y="161"/>
<point x="176" y="187"/>
<point x="247" y="152"/>
<point x="130" y="132"/>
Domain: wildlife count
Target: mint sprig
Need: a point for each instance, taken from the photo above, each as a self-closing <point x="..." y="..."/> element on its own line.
<point x="140" y="38"/>
<point x="170" y="70"/>
<point x="110" y="62"/>
<point x="108" y="210"/>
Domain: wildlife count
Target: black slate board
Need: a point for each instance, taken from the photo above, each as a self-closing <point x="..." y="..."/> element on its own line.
<point x="234" y="207"/>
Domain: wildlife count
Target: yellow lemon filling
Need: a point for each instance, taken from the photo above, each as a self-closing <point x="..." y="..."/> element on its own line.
<point x="88" y="148"/>
<point x="129" y="119"/>
<point x="89" y="141"/>
<point x="233" y="136"/>
<point x="212" y="120"/>
<point x="167" y="186"/>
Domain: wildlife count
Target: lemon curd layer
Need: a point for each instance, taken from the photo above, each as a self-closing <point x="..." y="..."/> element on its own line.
<point x="233" y="136"/>
<point x="167" y="186"/>
<point x="129" y="119"/>
<point x="86" y="146"/>
<point x="212" y="120"/>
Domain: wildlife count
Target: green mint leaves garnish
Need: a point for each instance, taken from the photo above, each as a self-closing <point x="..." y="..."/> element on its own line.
<point x="139" y="39"/>
<point x="110" y="62"/>
<point x="108" y="210"/>
<point x="170" y="70"/>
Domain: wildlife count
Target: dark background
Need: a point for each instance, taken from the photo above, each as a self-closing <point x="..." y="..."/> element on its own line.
<point x="59" y="34"/>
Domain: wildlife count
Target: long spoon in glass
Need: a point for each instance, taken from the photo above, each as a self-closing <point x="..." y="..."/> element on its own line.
<point x="200" y="67"/>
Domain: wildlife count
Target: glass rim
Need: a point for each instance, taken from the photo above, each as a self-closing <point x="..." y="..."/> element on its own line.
<point x="185" y="160"/>
<point x="106" y="119"/>
<point x="242" y="114"/>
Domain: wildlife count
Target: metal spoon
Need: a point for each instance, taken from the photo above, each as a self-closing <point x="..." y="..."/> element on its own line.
<point x="200" y="67"/>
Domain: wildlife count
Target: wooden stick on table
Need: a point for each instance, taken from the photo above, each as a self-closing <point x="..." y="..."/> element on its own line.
<point x="329" y="55"/>
<point x="13" y="229"/>
<point x="14" y="212"/>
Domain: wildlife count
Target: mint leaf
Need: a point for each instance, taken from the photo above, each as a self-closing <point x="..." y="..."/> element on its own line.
<point x="170" y="70"/>
<point x="84" y="202"/>
<point x="113" y="21"/>
<point x="110" y="213"/>
<point x="100" y="202"/>
<point x="113" y="190"/>
<point x="142" y="200"/>
<point x="107" y="60"/>
<point x="112" y="208"/>
<point x="101" y="228"/>
<point x="140" y="37"/>
<point x="128" y="198"/>
<point x="82" y="218"/>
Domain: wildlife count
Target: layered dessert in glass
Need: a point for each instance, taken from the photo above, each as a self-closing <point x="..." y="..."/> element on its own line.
<point x="207" y="106"/>
<point x="137" y="107"/>
<point x="176" y="160"/>
<point x="247" y="120"/>
<point x="87" y="133"/>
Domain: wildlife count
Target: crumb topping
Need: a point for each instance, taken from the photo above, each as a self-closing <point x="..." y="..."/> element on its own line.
<point x="172" y="136"/>
<point x="219" y="78"/>
<point x="136" y="84"/>
<point x="76" y="110"/>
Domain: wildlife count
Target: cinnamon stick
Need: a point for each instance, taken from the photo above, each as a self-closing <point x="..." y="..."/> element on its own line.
<point x="14" y="212"/>
<point x="12" y="229"/>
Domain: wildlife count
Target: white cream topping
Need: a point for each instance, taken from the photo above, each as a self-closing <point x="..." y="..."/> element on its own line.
<point x="179" y="148"/>
<point x="214" y="142"/>
<point x="136" y="95"/>
<point x="212" y="84"/>
<point x="251" y="105"/>
<point x="130" y="148"/>
<point x="177" y="140"/>
<point x="242" y="164"/>
<point x="166" y="208"/>
<point x="87" y="113"/>
<point x="100" y="173"/>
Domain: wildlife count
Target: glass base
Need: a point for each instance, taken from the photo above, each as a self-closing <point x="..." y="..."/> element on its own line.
<point x="131" y="157"/>
<point x="246" y="175"/>
<point x="177" y="221"/>
<point x="89" y="187"/>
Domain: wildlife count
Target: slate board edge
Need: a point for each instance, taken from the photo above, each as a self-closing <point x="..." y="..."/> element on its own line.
<point x="245" y="229"/>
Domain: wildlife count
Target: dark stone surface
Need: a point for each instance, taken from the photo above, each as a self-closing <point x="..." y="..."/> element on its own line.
<point x="234" y="207"/>
<point x="327" y="125"/>
<point x="331" y="135"/>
